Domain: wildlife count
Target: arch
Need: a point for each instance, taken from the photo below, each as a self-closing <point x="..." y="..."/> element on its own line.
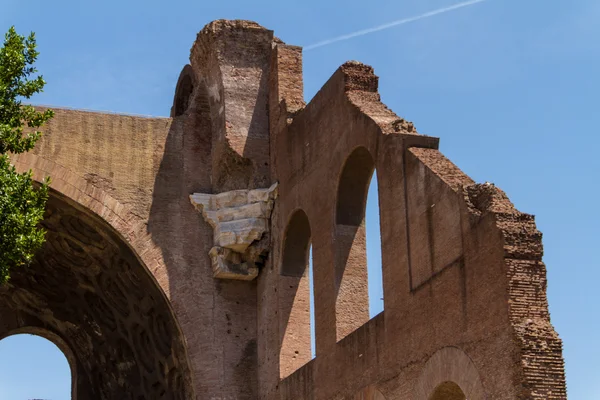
<point x="295" y="348"/>
<point x="351" y="276"/>
<point x="59" y="343"/>
<point x="448" y="391"/>
<point x="296" y="245"/>
<point x="197" y="123"/>
<point x="91" y="285"/>
<point x="449" y="372"/>
<point x="183" y="91"/>
<point x="353" y="187"/>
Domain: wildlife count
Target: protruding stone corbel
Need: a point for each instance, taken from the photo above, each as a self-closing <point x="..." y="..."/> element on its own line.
<point x="239" y="219"/>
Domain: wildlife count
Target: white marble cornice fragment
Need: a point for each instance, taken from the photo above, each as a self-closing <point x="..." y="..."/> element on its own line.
<point x="238" y="218"/>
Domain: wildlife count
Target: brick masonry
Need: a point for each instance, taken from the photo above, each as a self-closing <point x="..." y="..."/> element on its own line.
<point x="464" y="284"/>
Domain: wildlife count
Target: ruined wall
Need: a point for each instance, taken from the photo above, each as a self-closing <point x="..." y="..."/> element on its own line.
<point x="215" y="141"/>
<point x="463" y="280"/>
<point x="450" y="278"/>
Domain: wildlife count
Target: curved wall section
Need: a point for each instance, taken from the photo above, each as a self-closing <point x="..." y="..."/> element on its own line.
<point x="87" y="287"/>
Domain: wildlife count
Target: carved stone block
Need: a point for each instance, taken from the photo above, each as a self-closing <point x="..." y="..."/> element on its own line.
<point x="239" y="218"/>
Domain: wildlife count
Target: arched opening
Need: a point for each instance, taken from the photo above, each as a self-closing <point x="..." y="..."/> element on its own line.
<point x="373" y="234"/>
<point x="311" y="280"/>
<point x="448" y="391"/>
<point x="34" y="367"/>
<point x="446" y="373"/>
<point x="296" y="296"/>
<point x="351" y="264"/>
<point x="198" y="148"/>
<point x="90" y="289"/>
<point x="183" y="91"/>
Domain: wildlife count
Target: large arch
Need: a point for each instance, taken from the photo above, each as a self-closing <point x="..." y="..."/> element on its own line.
<point x="91" y="287"/>
<point x="449" y="374"/>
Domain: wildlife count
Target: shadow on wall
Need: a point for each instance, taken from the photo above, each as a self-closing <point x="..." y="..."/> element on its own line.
<point x="256" y="146"/>
<point x="448" y="391"/>
<point x="220" y="142"/>
<point x="296" y="300"/>
<point x="247" y="134"/>
<point x="356" y="277"/>
<point x="217" y="317"/>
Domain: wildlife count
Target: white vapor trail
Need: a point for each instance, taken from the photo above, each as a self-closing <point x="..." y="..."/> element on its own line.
<point x="392" y="24"/>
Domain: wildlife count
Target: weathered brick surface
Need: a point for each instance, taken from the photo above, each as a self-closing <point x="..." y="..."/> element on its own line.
<point x="463" y="278"/>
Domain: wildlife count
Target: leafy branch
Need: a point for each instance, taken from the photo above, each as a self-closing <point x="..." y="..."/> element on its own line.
<point x="21" y="204"/>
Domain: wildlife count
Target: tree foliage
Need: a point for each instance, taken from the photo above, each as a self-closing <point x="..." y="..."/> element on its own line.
<point x="21" y="203"/>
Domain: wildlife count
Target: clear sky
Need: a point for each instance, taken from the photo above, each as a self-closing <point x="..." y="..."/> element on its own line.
<point x="510" y="86"/>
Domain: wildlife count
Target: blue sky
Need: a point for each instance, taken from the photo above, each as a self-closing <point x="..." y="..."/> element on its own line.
<point x="511" y="88"/>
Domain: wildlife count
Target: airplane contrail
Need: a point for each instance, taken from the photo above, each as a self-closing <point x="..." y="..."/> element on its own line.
<point x="392" y="24"/>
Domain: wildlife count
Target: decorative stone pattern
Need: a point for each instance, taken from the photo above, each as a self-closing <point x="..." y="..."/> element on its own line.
<point x="88" y="288"/>
<point x="239" y="218"/>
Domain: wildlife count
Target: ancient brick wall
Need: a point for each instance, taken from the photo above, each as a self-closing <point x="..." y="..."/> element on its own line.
<point x="464" y="284"/>
<point x="119" y="154"/>
<point x="449" y="280"/>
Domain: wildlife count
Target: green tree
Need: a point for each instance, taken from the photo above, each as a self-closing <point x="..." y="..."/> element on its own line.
<point x="22" y="204"/>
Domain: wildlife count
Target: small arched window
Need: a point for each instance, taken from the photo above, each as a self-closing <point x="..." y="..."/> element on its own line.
<point x="183" y="91"/>
<point x="352" y="236"/>
<point x="295" y="296"/>
<point x="296" y="245"/>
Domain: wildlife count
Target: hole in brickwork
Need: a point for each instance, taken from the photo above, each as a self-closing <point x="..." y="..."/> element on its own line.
<point x="295" y="293"/>
<point x="374" y="269"/>
<point x="184" y="93"/>
<point x="448" y="391"/>
<point x="33" y="367"/>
